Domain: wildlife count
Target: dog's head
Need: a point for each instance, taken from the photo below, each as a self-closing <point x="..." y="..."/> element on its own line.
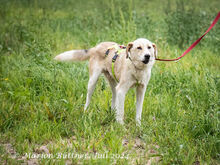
<point x="142" y="52"/>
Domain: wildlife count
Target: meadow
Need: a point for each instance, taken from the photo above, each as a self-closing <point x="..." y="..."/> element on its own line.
<point x="41" y="101"/>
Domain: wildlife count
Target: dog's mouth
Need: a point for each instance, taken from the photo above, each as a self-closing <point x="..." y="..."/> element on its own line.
<point x="146" y="59"/>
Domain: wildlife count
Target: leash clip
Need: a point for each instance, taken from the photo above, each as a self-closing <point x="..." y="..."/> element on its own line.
<point x="115" y="57"/>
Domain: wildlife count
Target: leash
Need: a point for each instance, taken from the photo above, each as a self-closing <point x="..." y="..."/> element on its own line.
<point x="195" y="43"/>
<point x="120" y="48"/>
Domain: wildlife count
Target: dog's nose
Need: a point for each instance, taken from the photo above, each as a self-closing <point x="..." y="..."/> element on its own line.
<point x="147" y="56"/>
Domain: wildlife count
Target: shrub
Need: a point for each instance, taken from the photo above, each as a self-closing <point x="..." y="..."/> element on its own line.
<point x="186" y="26"/>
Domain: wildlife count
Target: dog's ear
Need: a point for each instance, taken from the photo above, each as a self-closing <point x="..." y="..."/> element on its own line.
<point x="129" y="46"/>
<point x="155" y="50"/>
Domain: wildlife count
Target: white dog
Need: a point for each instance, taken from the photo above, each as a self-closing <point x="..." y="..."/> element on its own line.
<point x="123" y="70"/>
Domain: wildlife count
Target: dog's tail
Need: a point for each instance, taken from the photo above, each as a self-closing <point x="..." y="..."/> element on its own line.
<point x="73" y="55"/>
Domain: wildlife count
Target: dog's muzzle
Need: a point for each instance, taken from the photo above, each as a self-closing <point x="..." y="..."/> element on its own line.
<point x="146" y="59"/>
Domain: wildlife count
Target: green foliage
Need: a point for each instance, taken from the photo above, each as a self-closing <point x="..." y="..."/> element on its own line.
<point x="184" y="26"/>
<point x="41" y="101"/>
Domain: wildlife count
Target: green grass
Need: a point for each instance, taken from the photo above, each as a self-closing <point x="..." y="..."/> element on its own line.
<point x="41" y="101"/>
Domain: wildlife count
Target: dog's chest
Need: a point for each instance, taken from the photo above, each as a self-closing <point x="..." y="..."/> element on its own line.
<point x="142" y="76"/>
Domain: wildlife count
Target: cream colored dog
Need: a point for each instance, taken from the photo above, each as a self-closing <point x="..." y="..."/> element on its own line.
<point x="131" y="68"/>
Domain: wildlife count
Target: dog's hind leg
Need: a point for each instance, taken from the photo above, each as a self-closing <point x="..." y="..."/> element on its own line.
<point x="91" y="85"/>
<point x="112" y="84"/>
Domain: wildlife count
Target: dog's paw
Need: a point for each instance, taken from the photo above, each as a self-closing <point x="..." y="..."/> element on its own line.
<point x="120" y="121"/>
<point x="138" y="122"/>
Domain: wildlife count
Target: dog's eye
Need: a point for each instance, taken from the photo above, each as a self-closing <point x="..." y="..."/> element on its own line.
<point x="140" y="48"/>
<point x="149" y="47"/>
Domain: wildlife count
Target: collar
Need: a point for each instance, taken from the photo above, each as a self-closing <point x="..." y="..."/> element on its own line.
<point x="133" y="64"/>
<point x="136" y="68"/>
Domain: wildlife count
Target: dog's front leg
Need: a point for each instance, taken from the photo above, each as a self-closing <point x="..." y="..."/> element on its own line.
<point x="140" y="91"/>
<point x="121" y="91"/>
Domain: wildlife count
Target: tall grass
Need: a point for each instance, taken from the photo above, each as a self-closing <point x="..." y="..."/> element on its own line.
<point x="42" y="101"/>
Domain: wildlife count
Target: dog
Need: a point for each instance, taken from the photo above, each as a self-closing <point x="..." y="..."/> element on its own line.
<point x="132" y="68"/>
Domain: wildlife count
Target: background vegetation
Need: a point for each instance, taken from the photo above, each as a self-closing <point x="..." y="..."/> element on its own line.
<point x="41" y="101"/>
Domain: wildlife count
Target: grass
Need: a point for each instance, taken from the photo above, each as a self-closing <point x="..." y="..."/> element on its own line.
<point x="41" y="101"/>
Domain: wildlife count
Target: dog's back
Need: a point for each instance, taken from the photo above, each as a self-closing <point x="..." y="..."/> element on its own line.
<point x="84" y="54"/>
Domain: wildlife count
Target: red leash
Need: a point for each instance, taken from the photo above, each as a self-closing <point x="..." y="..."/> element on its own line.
<point x="195" y="43"/>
